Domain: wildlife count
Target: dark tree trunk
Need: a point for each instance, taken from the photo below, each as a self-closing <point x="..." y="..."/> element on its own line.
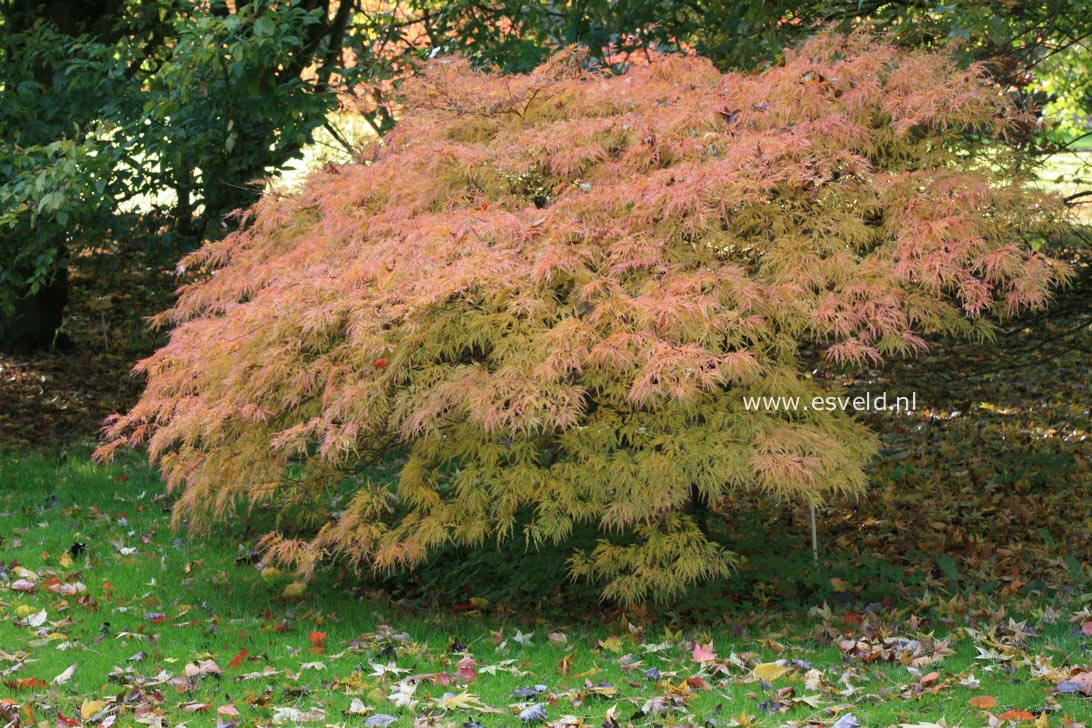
<point x="36" y="318"/>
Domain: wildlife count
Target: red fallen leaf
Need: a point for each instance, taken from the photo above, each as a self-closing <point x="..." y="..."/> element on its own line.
<point x="466" y="671"/>
<point x="318" y="639"/>
<point x="107" y="586"/>
<point x="380" y="363"/>
<point x="1017" y="715"/>
<point x="462" y="608"/>
<point x="26" y="683"/>
<point x="983" y="702"/>
<point x="238" y="659"/>
<point x="697" y="683"/>
<point x="926" y="679"/>
<point x="1086" y="628"/>
<point x="121" y="478"/>
<point x="63" y="719"/>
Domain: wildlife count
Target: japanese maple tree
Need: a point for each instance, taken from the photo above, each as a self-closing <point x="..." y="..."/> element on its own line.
<point x="552" y="291"/>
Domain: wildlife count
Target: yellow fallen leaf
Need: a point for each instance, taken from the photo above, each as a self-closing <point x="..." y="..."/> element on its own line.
<point x="90" y="707"/>
<point x="770" y="671"/>
<point x="612" y="644"/>
<point x="24" y="610"/>
<point x="295" y="589"/>
<point x="65" y="560"/>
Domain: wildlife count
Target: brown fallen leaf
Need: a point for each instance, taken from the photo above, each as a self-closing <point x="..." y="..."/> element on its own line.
<point x="982" y="702"/>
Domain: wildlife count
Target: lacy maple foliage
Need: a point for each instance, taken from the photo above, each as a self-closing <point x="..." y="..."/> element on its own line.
<point x="553" y="291"/>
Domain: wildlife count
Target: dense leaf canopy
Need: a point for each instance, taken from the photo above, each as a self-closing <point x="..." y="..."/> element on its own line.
<point x="555" y="289"/>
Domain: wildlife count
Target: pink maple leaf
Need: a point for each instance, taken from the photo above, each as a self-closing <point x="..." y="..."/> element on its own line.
<point x="704" y="653"/>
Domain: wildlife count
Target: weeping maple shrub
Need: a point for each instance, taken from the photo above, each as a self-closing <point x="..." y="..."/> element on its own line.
<point x="553" y="292"/>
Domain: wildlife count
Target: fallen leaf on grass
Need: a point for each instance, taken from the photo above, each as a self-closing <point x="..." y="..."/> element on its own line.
<point x="982" y="702"/>
<point x="294" y="715"/>
<point x="703" y="653"/>
<point x="770" y="671"/>
<point x="295" y="589"/>
<point x="529" y="692"/>
<point x="357" y="707"/>
<point x="65" y="676"/>
<point x="202" y="667"/>
<point x="26" y="683"/>
<point x="238" y="659"/>
<point x="462" y="701"/>
<point x="90" y="707"/>
<point x="9" y="711"/>
<point x="1079" y="683"/>
<point x="34" y="620"/>
<point x="402" y="695"/>
<point x="123" y="549"/>
<point x="1021" y="716"/>
<point x="68" y="590"/>
<point x="847" y="721"/>
<point x="533" y="713"/>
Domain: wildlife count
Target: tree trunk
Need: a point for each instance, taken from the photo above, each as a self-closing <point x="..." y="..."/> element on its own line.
<point x="34" y="323"/>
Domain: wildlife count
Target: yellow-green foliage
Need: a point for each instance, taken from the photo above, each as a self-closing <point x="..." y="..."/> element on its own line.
<point x="554" y="290"/>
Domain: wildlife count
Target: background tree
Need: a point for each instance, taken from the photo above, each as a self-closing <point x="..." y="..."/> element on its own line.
<point x="141" y="124"/>
<point x="556" y="290"/>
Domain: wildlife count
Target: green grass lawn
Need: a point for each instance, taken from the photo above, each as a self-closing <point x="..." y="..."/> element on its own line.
<point x="165" y="628"/>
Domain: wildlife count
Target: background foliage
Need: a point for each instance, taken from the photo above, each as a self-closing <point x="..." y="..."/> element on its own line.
<point x="137" y="125"/>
